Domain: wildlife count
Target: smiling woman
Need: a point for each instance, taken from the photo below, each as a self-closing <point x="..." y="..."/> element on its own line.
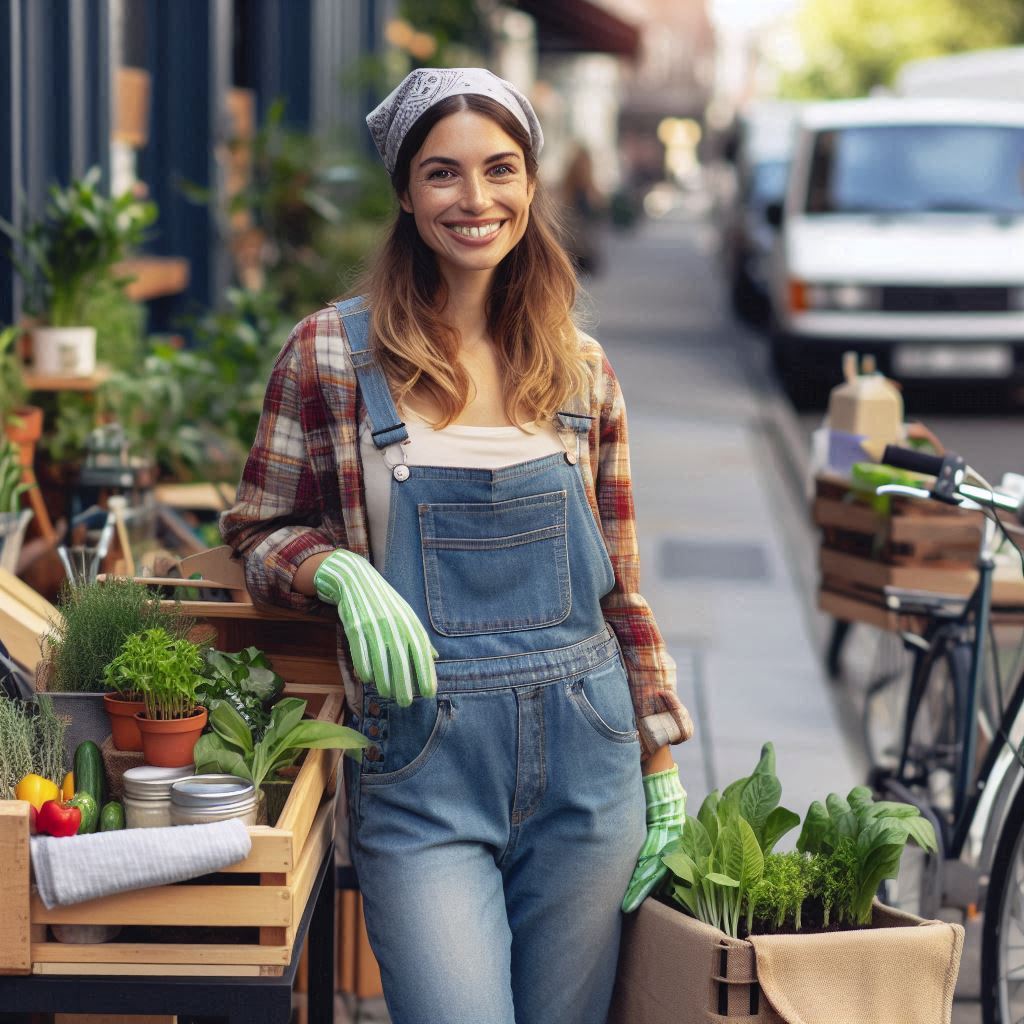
<point x="443" y="457"/>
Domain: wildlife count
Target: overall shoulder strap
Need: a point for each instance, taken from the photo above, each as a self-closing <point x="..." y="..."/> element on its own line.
<point x="387" y="428"/>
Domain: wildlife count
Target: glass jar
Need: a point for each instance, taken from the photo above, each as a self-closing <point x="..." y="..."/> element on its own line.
<point x="204" y="798"/>
<point x="147" y="795"/>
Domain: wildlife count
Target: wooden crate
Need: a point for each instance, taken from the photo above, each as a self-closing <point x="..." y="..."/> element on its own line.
<point x="917" y="546"/>
<point x="264" y="896"/>
<point x="914" y="533"/>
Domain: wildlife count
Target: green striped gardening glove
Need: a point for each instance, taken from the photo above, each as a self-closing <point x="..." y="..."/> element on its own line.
<point x="388" y="643"/>
<point x="666" y="810"/>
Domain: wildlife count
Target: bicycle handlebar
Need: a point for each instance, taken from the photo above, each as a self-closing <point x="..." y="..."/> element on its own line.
<point x="912" y="460"/>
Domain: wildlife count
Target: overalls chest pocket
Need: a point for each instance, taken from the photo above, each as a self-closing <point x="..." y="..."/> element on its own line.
<point x="493" y="567"/>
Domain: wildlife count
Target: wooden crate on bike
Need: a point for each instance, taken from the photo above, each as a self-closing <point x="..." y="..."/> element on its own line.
<point x="916" y="545"/>
<point x="925" y="534"/>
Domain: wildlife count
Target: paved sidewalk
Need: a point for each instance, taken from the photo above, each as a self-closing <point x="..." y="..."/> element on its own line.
<point x="721" y="544"/>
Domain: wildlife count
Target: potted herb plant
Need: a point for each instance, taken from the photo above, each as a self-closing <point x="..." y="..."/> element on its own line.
<point x="23" y="424"/>
<point x="13" y="519"/>
<point x="795" y="936"/>
<point x="230" y="747"/>
<point x="63" y="255"/>
<point x="95" y="619"/>
<point x="165" y="669"/>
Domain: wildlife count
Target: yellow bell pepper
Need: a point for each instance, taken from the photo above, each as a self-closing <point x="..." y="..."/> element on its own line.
<point x="36" y="790"/>
<point x="67" y="788"/>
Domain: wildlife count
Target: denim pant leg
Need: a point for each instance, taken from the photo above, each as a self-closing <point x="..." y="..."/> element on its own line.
<point x="425" y="842"/>
<point x="574" y="855"/>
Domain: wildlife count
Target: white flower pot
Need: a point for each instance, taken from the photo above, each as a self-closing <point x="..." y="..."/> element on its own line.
<point x="64" y="351"/>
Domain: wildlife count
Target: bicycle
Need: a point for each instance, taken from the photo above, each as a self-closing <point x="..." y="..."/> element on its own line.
<point x="960" y="760"/>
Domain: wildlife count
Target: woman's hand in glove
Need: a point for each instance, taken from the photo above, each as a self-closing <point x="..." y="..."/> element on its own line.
<point x="388" y="643"/>
<point x="666" y="811"/>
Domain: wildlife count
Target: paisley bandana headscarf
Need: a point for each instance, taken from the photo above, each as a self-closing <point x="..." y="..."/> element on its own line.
<point x="389" y="123"/>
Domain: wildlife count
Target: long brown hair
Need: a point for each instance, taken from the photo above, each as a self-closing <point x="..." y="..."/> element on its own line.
<point x="529" y="309"/>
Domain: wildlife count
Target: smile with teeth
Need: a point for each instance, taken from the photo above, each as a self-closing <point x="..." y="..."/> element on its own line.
<point x="474" y="231"/>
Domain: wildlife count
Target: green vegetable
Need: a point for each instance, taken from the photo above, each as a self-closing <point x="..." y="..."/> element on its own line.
<point x="246" y="681"/>
<point x="88" y="769"/>
<point x="112" y="816"/>
<point x="85" y="802"/>
<point x="230" y="747"/>
<point x="868" y="839"/>
<point x="719" y="859"/>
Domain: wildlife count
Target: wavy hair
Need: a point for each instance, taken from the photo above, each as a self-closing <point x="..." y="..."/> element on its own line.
<point x="529" y="308"/>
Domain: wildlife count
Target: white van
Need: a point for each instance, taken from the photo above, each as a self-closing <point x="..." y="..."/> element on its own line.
<point x="902" y="235"/>
<point x="978" y="74"/>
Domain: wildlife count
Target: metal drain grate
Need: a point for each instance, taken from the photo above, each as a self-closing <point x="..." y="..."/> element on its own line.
<point x="712" y="560"/>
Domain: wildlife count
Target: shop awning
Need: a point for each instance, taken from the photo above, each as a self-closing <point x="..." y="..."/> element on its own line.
<point x="579" y="26"/>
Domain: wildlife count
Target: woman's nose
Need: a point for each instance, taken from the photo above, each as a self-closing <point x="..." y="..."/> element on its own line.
<point x="474" y="194"/>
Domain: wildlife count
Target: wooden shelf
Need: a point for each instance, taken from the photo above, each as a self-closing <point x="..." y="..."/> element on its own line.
<point x="49" y="382"/>
<point x="155" y="276"/>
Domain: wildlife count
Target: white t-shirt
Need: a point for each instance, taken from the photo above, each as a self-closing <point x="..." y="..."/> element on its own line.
<point x="456" y="446"/>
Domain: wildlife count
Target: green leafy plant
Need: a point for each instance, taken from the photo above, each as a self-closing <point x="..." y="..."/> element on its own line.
<point x="244" y="680"/>
<point x="163" y="668"/>
<point x="724" y="871"/>
<point x="11" y="487"/>
<point x="719" y="858"/>
<point x="81" y="234"/>
<point x="230" y="746"/>
<point x="95" y="621"/>
<point x="31" y="740"/>
<point x="869" y="836"/>
<point x="13" y="391"/>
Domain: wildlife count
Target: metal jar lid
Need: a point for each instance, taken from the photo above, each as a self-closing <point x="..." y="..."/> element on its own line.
<point x="212" y="792"/>
<point x="147" y="782"/>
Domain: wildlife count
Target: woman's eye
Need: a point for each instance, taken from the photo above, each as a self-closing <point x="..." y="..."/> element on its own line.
<point x="436" y="175"/>
<point x="503" y="170"/>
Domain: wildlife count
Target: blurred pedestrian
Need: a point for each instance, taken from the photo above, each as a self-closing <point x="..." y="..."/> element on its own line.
<point x="444" y="458"/>
<point x="583" y="209"/>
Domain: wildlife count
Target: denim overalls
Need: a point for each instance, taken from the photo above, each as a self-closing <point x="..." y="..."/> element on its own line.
<point x="494" y="828"/>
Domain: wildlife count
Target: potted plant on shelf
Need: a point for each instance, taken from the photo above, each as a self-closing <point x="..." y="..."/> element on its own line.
<point x="165" y="669"/>
<point x="62" y="256"/>
<point x="795" y="936"/>
<point x="95" y="619"/>
<point x="230" y="747"/>
<point x="23" y="424"/>
<point x="13" y="519"/>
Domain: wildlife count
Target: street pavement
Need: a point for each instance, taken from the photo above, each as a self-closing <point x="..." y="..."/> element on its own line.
<point x="725" y="550"/>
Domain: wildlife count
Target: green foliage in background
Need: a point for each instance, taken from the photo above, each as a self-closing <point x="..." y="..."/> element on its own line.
<point x="456" y="25"/>
<point x="851" y="46"/>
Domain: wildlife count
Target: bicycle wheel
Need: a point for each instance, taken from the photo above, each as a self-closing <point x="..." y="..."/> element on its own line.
<point x="1002" y="958"/>
<point x="929" y="766"/>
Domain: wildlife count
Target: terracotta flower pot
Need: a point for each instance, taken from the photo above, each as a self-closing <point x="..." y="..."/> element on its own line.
<point x="168" y="743"/>
<point x="124" y="730"/>
<point x="24" y="429"/>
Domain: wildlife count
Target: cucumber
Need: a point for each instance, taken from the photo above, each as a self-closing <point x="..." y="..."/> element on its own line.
<point x="88" y="770"/>
<point x="90" y="812"/>
<point x="112" y="816"/>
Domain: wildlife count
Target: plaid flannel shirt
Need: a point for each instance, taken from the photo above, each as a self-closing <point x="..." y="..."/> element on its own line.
<point x="301" y="493"/>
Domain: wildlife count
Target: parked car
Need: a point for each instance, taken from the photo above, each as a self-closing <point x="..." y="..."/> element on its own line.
<point x="902" y="236"/>
<point x="760" y="153"/>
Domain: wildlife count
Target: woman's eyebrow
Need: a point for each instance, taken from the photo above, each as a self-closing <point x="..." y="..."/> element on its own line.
<point x="451" y="162"/>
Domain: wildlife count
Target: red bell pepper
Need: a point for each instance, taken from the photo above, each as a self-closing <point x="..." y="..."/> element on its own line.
<point x="57" y="818"/>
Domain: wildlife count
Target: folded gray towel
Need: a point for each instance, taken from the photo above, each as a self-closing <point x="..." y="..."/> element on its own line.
<point x="78" y="868"/>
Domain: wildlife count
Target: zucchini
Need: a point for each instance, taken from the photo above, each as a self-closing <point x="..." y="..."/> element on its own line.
<point x="88" y="771"/>
<point x="90" y="812"/>
<point x="112" y="816"/>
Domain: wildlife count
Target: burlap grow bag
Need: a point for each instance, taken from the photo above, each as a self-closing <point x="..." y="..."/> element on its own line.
<point x="675" y="970"/>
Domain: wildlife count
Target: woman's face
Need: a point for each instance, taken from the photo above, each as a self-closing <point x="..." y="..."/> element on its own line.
<point x="469" y="193"/>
